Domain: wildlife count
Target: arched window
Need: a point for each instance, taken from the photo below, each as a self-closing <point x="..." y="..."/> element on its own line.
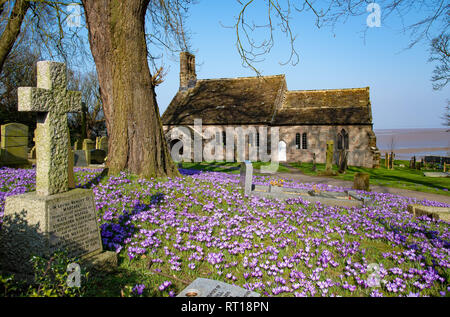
<point x="297" y="141"/>
<point x="304" y="141"/>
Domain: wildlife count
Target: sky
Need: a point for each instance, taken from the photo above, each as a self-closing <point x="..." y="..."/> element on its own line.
<point x="401" y="91"/>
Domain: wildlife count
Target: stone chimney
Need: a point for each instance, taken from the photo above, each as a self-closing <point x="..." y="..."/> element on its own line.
<point x="188" y="77"/>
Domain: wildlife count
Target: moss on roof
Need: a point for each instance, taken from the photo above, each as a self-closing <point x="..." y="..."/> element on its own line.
<point x="248" y="100"/>
<point x="265" y="100"/>
<point x="334" y="106"/>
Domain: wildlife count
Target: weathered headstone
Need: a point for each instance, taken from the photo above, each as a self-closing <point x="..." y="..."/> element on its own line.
<point x="52" y="217"/>
<point x="386" y="160"/>
<point x="431" y="211"/>
<point x="81" y="158"/>
<point x="361" y="181"/>
<point x="103" y="144"/>
<point x="33" y="149"/>
<point x="329" y="156"/>
<point x="246" y="177"/>
<point x="97" y="156"/>
<point x="203" y="287"/>
<point x="88" y="145"/>
<point x="314" y="167"/>
<point x="343" y="158"/>
<point x="391" y="160"/>
<point x="14" y="142"/>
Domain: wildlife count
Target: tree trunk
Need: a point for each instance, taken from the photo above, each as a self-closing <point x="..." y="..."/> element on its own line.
<point x="117" y="39"/>
<point x="12" y="29"/>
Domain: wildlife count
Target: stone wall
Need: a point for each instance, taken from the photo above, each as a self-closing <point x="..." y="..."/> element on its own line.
<point x="361" y="141"/>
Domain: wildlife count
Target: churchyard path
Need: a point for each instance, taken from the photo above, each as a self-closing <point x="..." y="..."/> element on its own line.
<point x="375" y="188"/>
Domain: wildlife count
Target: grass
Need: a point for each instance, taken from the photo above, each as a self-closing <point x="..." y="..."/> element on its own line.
<point x="227" y="167"/>
<point x="399" y="177"/>
<point x="183" y="221"/>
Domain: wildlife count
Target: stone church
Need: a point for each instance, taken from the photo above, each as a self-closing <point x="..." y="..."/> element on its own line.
<point x="306" y="119"/>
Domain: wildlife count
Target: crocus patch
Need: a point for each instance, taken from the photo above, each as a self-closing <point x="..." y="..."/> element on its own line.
<point x="201" y="225"/>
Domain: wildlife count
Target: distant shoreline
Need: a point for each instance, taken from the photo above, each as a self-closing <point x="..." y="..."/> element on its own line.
<point x="415" y="150"/>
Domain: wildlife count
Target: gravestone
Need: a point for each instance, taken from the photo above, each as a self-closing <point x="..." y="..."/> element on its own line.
<point x="435" y="174"/>
<point x="314" y="167"/>
<point x="33" y="149"/>
<point x="414" y="162"/>
<point x="246" y="177"/>
<point x="97" y="156"/>
<point x="103" y="144"/>
<point x="433" y="212"/>
<point x="81" y="158"/>
<point x="391" y="160"/>
<point x="361" y="181"/>
<point x="53" y="217"/>
<point x="343" y="159"/>
<point x="386" y="160"/>
<point x="329" y="157"/>
<point x="88" y="145"/>
<point x="203" y="287"/>
<point x="14" y="143"/>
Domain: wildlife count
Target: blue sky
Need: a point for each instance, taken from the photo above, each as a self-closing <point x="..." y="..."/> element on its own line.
<point x="399" y="79"/>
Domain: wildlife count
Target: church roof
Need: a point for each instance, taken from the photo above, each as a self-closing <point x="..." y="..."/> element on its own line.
<point x="247" y="100"/>
<point x="333" y="106"/>
<point x="265" y="100"/>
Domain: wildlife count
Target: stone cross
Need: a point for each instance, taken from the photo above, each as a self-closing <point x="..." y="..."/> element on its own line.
<point x="52" y="101"/>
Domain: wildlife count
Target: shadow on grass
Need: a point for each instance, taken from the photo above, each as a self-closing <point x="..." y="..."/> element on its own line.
<point x="103" y="284"/>
<point x="412" y="177"/>
<point x="96" y="180"/>
<point x="117" y="230"/>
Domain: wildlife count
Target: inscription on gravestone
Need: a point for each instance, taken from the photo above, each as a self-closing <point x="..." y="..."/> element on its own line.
<point x="203" y="287"/>
<point x="74" y="221"/>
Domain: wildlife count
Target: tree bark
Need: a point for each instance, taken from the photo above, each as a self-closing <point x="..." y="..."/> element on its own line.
<point x="12" y="29"/>
<point x="117" y="40"/>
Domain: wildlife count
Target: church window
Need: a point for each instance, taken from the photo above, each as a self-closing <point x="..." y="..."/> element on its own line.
<point x="304" y="141"/>
<point x="297" y="141"/>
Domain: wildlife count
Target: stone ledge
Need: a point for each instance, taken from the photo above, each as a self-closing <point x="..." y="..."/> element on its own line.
<point x="436" y="213"/>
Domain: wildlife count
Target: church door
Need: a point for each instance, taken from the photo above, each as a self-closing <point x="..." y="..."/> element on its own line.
<point x="282" y="151"/>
